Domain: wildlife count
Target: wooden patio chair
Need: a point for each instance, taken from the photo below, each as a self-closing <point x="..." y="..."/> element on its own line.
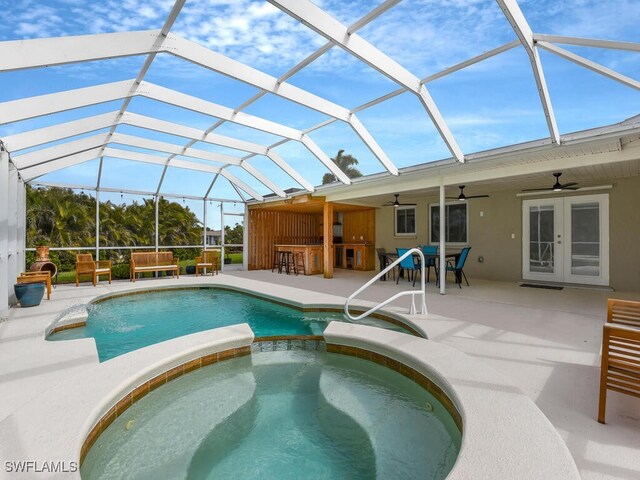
<point x="37" y="277"/>
<point x="620" y="368"/>
<point x="208" y="259"/>
<point x="86" y="266"/>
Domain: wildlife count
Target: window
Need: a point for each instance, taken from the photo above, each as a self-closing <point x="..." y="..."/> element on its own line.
<point x="455" y="223"/>
<point x="405" y="221"/>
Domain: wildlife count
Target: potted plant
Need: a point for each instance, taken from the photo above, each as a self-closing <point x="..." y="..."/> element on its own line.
<point x="227" y="258"/>
<point x="29" y="294"/>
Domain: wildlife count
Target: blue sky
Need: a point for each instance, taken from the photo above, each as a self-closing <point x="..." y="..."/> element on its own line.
<point x="489" y="105"/>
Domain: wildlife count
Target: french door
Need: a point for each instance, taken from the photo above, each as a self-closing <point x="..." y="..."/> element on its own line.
<point x="566" y="239"/>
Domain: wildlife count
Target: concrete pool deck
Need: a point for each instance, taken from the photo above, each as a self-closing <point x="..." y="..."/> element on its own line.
<point x="545" y="342"/>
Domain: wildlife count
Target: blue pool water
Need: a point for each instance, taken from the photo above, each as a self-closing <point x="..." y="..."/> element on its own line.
<point x="281" y="415"/>
<point x="122" y="324"/>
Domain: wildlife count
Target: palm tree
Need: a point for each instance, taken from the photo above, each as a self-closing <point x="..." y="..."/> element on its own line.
<point x="344" y="163"/>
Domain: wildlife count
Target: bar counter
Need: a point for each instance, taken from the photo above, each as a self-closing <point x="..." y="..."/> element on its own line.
<point x="313" y="256"/>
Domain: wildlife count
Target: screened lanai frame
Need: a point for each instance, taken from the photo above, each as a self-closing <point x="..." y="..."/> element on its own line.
<point x="29" y="54"/>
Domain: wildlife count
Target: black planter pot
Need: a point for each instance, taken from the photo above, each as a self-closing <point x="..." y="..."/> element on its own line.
<point x="29" y="294"/>
<point x="227" y="261"/>
<point x="191" y="269"/>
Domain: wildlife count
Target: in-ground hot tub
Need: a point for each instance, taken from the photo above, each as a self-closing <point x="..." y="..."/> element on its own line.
<point x="281" y="414"/>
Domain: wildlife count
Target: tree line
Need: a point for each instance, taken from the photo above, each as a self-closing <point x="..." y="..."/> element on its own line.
<point x="60" y="217"/>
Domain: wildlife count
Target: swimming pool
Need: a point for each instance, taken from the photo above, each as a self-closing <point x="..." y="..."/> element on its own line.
<point x="125" y="323"/>
<point x="283" y="414"/>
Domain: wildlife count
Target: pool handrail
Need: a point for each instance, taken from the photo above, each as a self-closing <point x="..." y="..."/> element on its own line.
<point x="412" y="310"/>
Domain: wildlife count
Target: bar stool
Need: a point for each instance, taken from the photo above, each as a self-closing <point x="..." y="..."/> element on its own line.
<point x="285" y="262"/>
<point x="298" y="263"/>
<point x="276" y="261"/>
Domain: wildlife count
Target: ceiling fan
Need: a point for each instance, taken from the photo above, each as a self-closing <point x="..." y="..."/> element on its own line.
<point x="557" y="187"/>
<point x="396" y="203"/>
<point x="462" y="197"/>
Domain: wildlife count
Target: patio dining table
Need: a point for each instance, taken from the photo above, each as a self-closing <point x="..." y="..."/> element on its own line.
<point x="388" y="257"/>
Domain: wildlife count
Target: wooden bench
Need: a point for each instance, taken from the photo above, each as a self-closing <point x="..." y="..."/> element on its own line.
<point x="143" y="262"/>
<point x="42" y="276"/>
<point x="620" y="368"/>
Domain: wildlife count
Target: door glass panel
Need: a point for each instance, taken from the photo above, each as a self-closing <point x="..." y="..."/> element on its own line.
<point x="585" y="239"/>
<point x="541" y="239"/>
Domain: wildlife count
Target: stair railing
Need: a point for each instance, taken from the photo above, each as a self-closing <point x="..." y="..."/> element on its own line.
<point x="412" y="310"/>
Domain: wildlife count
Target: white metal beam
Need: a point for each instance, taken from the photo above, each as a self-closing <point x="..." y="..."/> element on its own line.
<point x="59" y="131"/>
<point x="587" y="42"/>
<point x="289" y="170"/>
<point x="315" y="149"/>
<point x="44" y="155"/>
<point x="70" y="99"/>
<point x="215" y="61"/>
<point x="45" y="52"/>
<point x="168" y="23"/>
<point x="593" y="66"/>
<point x="140" y="142"/>
<point x="191" y="133"/>
<point x="321" y="22"/>
<point x="240" y="184"/>
<point x="518" y="22"/>
<point x="205" y="107"/>
<point x="368" y="140"/>
<point x="74" y="159"/>
<point x="31" y="107"/>
<point x="177" y="163"/>
<point x="264" y="179"/>
<point x="4" y="234"/>
<point x="149" y="123"/>
<point x="158" y="160"/>
<point x="125" y="190"/>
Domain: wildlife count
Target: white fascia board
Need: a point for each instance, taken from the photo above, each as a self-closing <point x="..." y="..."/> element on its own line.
<point x="240" y="184"/>
<point x="289" y="170"/>
<point x="171" y="148"/>
<point x="60" y="131"/>
<point x="518" y="22"/>
<point x="31" y="107"/>
<point x="205" y="107"/>
<point x="324" y="24"/>
<point x="158" y="160"/>
<point x="217" y="62"/>
<point x="29" y="174"/>
<point x="372" y="144"/>
<point x="315" y="149"/>
<point x="43" y="155"/>
<point x="191" y="133"/>
<point x="44" y="52"/>
<point x="593" y="66"/>
<point x="263" y="179"/>
<point x="587" y="42"/>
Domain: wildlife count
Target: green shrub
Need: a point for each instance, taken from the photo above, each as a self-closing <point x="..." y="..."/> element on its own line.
<point x="120" y="271"/>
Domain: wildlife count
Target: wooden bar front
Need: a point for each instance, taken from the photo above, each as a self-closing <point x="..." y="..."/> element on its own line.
<point x="312" y="254"/>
